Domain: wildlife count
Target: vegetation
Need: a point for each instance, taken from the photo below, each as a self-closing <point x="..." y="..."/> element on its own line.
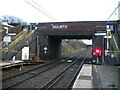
<point x="12" y="19"/>
<point x="69" y="47"/>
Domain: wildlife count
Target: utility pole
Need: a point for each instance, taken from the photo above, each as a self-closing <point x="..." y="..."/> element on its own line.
<point x="38" y="47"/>
<point x="119" y="11"/>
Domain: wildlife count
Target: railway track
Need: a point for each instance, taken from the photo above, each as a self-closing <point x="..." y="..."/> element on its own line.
<point x="60" y="78"/>
<point x="55" y="73"/>
<point x="17" y="79"/>
<point x="52" y="83"/>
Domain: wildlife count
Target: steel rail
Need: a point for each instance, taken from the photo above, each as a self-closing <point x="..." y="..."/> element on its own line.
<point x="75" y="75"/>
<point x="31" y="76"/>
<point x="27" y="72"/>
<point x="52" y="82"/>
<point x="56" y="77"/>
<point x="75" y="54"/>
<point x="60" y="75"/>
<point x="77" y="72"/>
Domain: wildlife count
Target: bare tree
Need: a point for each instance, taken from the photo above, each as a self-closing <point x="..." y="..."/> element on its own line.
<point x="12" y="19"/>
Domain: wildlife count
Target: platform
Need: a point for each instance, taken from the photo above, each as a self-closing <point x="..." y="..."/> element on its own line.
<point x="84" y="79"/>
<point x="98" y="76"/>
<point x="6" y="64"/>
<point x="105" y="76"/>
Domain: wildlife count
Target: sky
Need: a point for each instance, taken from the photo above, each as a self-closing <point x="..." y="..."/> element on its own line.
<point x="59" y="10"/>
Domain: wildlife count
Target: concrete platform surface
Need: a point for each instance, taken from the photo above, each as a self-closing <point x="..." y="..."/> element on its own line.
<point x="6" y="64"/>
<point x="108" y="76"/>
<point x="84" y="78"/>
<point x="98" y="77"/>
<point x="105" y="76"/>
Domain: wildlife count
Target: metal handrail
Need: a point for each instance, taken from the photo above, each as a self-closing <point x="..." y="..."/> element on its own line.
<point x="22" y="32"/>
<point x="19" y="39"/>
<point x="114" y="41"/>
<point x="12" y="44"/>
<point x="15" y="37"/>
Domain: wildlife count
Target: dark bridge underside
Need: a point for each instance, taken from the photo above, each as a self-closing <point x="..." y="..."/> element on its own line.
<point x="69" y="34"/>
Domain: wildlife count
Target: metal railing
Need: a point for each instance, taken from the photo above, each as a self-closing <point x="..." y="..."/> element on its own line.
<point x="114" y="43"/>
<point x="22" y="35"/>
<point x="23" y="32"/>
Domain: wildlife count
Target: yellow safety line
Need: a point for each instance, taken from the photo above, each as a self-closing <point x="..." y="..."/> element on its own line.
<point x="114" y="53"/>
<point x="95" y="67"/>
<point x="17" y="52"/>
<point x="32" y="54"/>
<point x="111" y="51"/>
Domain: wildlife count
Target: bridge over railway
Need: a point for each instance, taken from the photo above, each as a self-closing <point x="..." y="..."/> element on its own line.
<point x="45" y="42"/>
<point x="50" y="35"/>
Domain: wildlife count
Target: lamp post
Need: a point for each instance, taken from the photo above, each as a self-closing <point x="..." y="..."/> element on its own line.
<point x="107" y="47"/>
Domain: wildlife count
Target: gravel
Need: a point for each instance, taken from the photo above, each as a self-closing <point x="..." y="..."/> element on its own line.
<point x="42" y="79"/>
<point x="12" y="71"/>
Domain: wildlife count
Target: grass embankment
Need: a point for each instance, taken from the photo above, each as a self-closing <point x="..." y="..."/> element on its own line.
<point x="69" y="47"/>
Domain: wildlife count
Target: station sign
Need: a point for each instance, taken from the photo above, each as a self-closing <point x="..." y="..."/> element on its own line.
<point x="100" y="34"/>
<point x="62" y="26"/>
<point x="7" y="39"/>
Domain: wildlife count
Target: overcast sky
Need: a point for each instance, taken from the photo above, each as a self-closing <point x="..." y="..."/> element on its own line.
<point x="61" y="10"/>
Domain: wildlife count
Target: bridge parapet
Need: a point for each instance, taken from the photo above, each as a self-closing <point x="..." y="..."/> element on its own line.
<point x="73" y="26"/>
